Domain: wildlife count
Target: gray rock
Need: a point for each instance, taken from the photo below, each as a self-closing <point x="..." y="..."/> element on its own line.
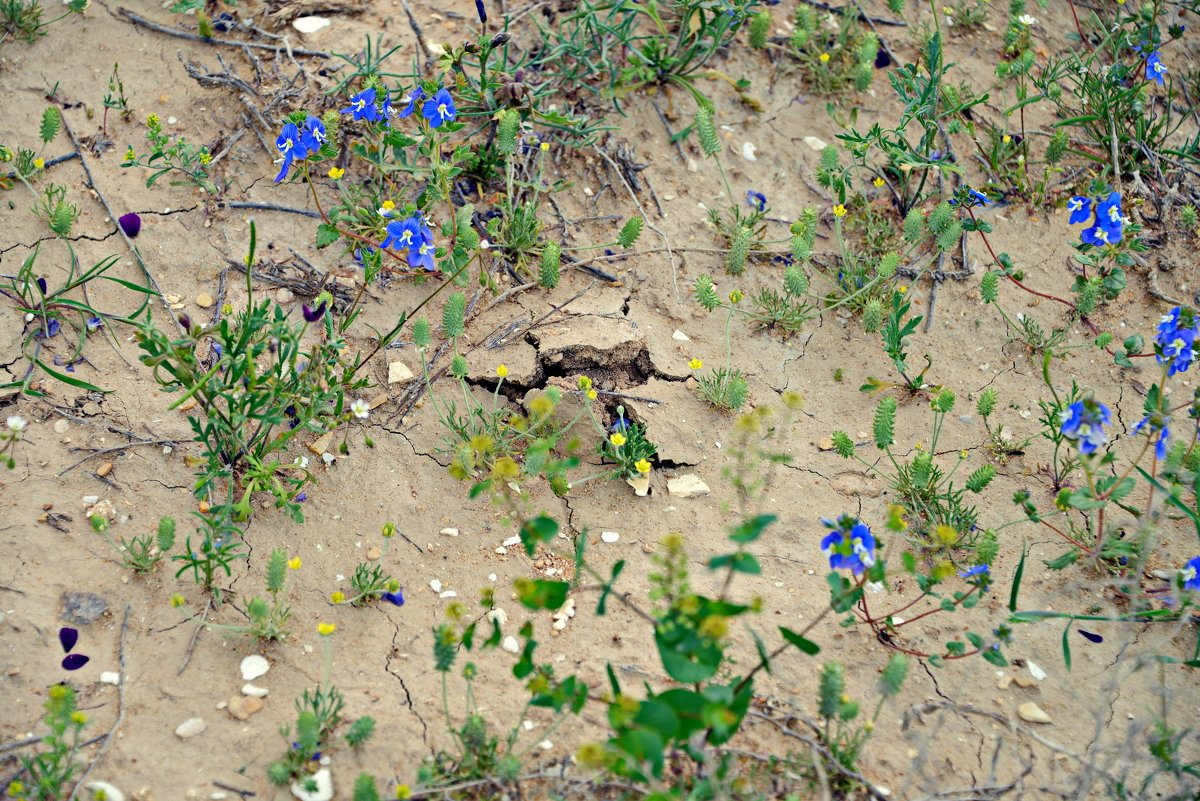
<point x="83" y="608"/>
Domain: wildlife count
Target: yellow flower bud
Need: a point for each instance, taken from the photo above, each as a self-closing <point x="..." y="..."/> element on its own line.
<point x="502" y="370"/>
<point x="338" y="597"/>
<point x="325" y="629"/>
<point x="878" y="182"/>
<point x="294" y="563"/>
<point x="592" y="394"/>
<point x="839" y="210"/>
<point x="544" y="147"/>
<point x="177" y="600"/>
<point x="824" y="58"/>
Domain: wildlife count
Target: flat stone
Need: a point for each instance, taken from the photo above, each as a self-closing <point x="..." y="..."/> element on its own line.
<point x="254" y="666"/>
<point x="321" y="444"/>
<point x="641" y="485"/>
<point x="204" y="300"/>
<point x="83" y="608"/>
<point x="1032" y="713"/>
<point x="284" y="296"/>
<point x="190" y="728"/>
<point x="61" y="426"/>
<point x="110" y="677"/>
<point x="825" y="444"/>
<point x="511" y="645"/>
<point x="374" y="552"/>
<point x="323" y="780"/>
<point x="1024" y="682"/>
<point x="243" y="706"/>
<point x="398" y="371"/>
<point x="449" y="532"/>
<point x="310" y="25"/>
<point x="680" y="336"/>
<point x="688" y="486"/>
<point x="816" y="143"/>
<point x="609" y="536"/>
<point x="257" y="692"/>
<point x="853" y="482"/>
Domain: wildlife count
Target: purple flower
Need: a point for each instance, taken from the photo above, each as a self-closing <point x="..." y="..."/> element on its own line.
<point x="480" y="10"/>
<point x="396" y="597"/>
<point x="1080" y="208"/>
<point x="131" y="224"/>
<point x="313" y="315"/>
<point x="850" y="545"/>
<point x="67" y="637"/>
<point x="439" y="109"/>
<point x="757" y="200"/>
<point x="50" y="330"/>
<point x="41" y="282"/>
<point x="1083" y="423"/>
<point x="1155" y="69"/>
<point x="300" y="497"/>
<point x="1190" y="575"/>
<point x="1087" y="635"/>
<point x="974" y="571"/>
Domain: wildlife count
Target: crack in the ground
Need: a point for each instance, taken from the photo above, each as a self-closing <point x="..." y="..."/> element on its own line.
<point x="932" y="678"/>
<point x="408" y="699"/>
<point x="791" y="466"/>
<point x="78" y="237"/>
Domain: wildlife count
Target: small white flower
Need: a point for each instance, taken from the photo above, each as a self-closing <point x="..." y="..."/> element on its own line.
<point x="361" y="409"/>
<point x="1027" y="20"/>
<point x="17" y="423"/>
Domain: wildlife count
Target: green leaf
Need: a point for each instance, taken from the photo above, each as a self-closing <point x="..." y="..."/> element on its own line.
<point x="542" y="594"/>
<point x="1066" y="645"/>
<point x="685" y="664"/>
<point x="538" y="529"/>
<point x="803" y="643"/>
<point x="327" y="235"/>
<point x="996" y="658"/>
<point x="763" y="658"/>
<point x="608" y="586"/>
<point x="752" y="529"/>
<point x="66" y="379"/>
<point x="1016" y="586"/>
<point x="51" y="121"/>
<point x="740" y="562"/>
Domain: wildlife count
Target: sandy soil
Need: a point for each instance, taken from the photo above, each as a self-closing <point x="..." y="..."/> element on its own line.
<point x="952" y="727"/>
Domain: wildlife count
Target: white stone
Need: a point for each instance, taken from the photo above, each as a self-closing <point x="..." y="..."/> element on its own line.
<point x="448" y="594"/>
<point x="689" y="486"/>
<point x="398" y="371"/>
<point x="254" y="666"/>
<point x="190" y="728"/>
<point x="1032" y="713"/>
<point x="256" y="692"/>
<point x="323" y="780"/>
<point x="815" y="143"/>
<point x="515" y="539"/>
<point x="61" y="426"/>
<point x="748" y="151"/>
<point x="449" y="532"/>
<point x="641" y="485"/>
<point x="609" y="536"/>
<point x="501" y="550"/>
<point x="307" y="25"/>
<point x="435" y="585"/>
<point x="511" y="645"/>
<point x="104" y="790"/>
<point x="1035" y="670"/>
<point x="110" y="677"/>
<point x="90" y="499"/>
<point x="545" y="745"/>
<point x="679" y="335"/>
<point x="498" y="615"/>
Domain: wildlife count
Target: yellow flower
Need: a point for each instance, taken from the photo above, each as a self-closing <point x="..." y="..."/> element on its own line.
<point x="152" y="120"/>
<point x="130" y="155"/>
<point x="642" y="466"/>
<point x="1007" y="139"/>
<point x="695" y="363"/>
<point x="389" y="529"/>
<point x="39" y="162"/>
<point x="177" y="600"/>
<point x="78" y="717"/>
<point x="878" y="182"/>
<point x="824" y="58"/>
<point x="736" y="296"/>
<point x="205" y="157"/>
<point x="544" y="147"/>
<point x="337" y="597"/>
<point x="617" y="438"/>
<point x="325" y="629"/>
<point x="502" y="370"/>
<point x="15" y="788"/>
<point x="336" y="172"/>
<point x="962" y="454"/>
<point x="403" y="793"/>
<point x="946" y="535"/>
<point x="591" y="394"/>
<point x="585" y="382"/>
<point x="903" y="288"/>
<point x="294" y="563"/>
<point x="839" y="210"/>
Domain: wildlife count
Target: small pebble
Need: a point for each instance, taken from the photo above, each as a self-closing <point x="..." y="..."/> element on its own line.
<point x="257" y="692"/>
<point x="435" y="585"/>
<point x="190" y="728"/>
<point x="374" y="552"/>
<point x="254" y="666"/>
<point x="110" y="677"/>
<point x="511" y="645"/>
<point x="1032" y="713"/>
<point x="204" y="300"/>
<point x="61" y="426"/>
<point x="243" y="706"/>
<point x="449" y="532"/>
<point x="610" y="536"/>
<point x="307" y="25"/>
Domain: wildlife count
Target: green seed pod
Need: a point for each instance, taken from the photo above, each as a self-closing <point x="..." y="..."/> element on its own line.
<point x="1104" y="340"/>
<point x="989" y="287"/>
<point x="800" y="38"/>
<point x="868" y="49"/>
<point x="842" y="444"/>
<point x="950" y="237"/>
<point x="1188" y="216"/>
<point x="893" y="675"/>
<point x="506" y="131"/>
<point x="1057" y="146"/>
<point x="888" y="264"/>
<point x="739" y="249"/>
<point x="1089" y="293"/>
<point x="986" y="403"/>
<point x="630" y="232"/>
<point x="978" y="481"/>
<point x="941" y="218"/>
<point x="833" y="684"/>
<point x="921" y="470"/>
<point x="795" y="282"/>
<point x="421" y="332"/>
<point x="885" y="423"/>
<point x="805" y="19"/>
<point x="276" y="570"/>
<point x="944" y="402"/>
<point x="895" y="6"/>
<point x="760" y="28"/>
<point x="864" y="73"/>
<point x="829" y="159"/>
<point x="872" y="316"/>
<point x="706" y="294"/>
<point x="551" y="264"/>
<point x="707" y="132"/>
<point x="458" y="366"/>
<point x="452" y="315"/>
<point x="914" y="225"/>
<point x="987" y="547"/>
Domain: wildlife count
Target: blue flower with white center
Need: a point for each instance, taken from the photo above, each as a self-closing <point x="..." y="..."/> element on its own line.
<point x="362" y="106"/>
<point x="50" y="330"/>
<point x="93" y="323"/>
<point x="1108" y="215"/>
<point x="290" y="146"/>
<point x="1083" y="423"/>
<point x="403" y="233"/>
<point x="1155" y="69"/>
<point x="422" y="255"/>
<point x="1156" y="423"/>
<point x="1190" y="575"/>
<point x="313" y="135"/>
<point x="415" y="95"/>
<point x="1080" y="208"/>
<point x="974" y="199"/>
<point x="1175" y="342"/>
<point x="757" y="200"/>
<point x="439" y="109"/>
<point x="850" y="545"/>
<point x="396" y="597"/>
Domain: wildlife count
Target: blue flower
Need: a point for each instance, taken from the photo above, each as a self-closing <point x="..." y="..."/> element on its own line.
<point x="403" y="233"/>
<point x="396" y="597"/>
<point x="974" y="571"/>
<point x="974" y="199"/>
<point x="422" y="255"/>
<point x="50" y="329"/>
<point x="1156" y="423"/>
<point x="850" y="545"/>
<point x="439" y="109"/>
<point x="416" y="95"/>
<point x="131" y="224"/>
<point x="1176" y="339"/>
<point x="93" y="323"/>
<point x="313" y="135"/>
<point x="362" y="106"/>
<point x="313" y="315"/>
<point x="1108" y="215"/>
<point x="1191" y="574"/>
<point x="1083" y="423"/>
<point x="1080" y="208"/>
<point x="290" y="146"/>
<point x="1155" y="69"/>
<point x="757" y="200"/>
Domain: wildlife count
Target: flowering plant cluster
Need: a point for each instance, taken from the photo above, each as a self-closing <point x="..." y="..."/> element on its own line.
<point x="1108" y="224"/>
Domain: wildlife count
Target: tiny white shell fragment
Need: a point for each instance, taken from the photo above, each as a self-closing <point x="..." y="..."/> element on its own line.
<point x="511" y="645"/>
<point x="749" y="151"/>
<point x="816" y="143"/>
<point x="1032" y="713"/>
<point x="610" y="536"/>
<point x="1035" y="670"/>
<point x="256" y="692"/>
<point x="448" y="594"/>
<point x="308" y="25"/>
<point x="254" y="666"/>
<point x="435" y="585"/>
<point x="515" y="539"/>
<point x="449" y="532"/>
<point x="110" y="677"/>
